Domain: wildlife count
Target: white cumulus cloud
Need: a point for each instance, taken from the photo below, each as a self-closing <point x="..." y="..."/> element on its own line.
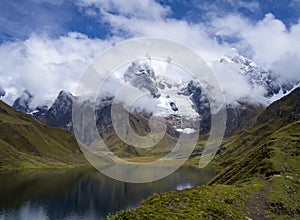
<point x="269" y="42"/>
<point x="46" y="66"/>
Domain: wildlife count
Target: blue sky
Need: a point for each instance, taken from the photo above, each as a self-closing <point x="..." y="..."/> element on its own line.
<point x="57" y="39"/>
<point x="193" y="11"/>
<point x="21" y="18"/>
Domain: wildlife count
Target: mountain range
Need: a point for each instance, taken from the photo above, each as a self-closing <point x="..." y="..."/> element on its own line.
<point x="258" y="161"/>
<point x="187" y="97"/>
<point x="180" y="103"/>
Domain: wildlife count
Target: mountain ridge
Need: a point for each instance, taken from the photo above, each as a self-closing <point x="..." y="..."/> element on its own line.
<point x="258" y="176"/>
<point x="27" y="143"/>
<point x="189" y="98"/>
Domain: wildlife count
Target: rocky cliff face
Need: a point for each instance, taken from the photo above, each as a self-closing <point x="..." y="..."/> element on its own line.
<point x="60" y="113"/>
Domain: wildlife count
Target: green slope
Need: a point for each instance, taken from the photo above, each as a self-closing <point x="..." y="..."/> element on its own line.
<point x="27" y="143"/>
<point x="259" y="175"/>
<point x="266" y="148"/>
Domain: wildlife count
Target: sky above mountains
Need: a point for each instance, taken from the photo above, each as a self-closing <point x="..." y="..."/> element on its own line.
<point x="46" y="45"/>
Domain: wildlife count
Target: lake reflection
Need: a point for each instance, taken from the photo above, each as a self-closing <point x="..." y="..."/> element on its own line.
<point x="83" y="193"/>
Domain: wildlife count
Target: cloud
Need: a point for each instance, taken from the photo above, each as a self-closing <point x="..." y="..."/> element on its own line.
<point x="45" y="66"/>
<point x="236" y="86"/>
<point x="295" y="4"/>
<point x="142" y="9"/>
<point x="204" y="10"/>
<point x="150" y="19"/>
<point x="288" y="66"/>
<point x="195" y="35"/>
<point x="269" y="42"/>
<point x="252" y="6"/>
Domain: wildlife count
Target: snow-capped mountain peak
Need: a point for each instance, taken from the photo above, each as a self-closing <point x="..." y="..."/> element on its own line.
<point x="141" y="74"/>
<point x="61" y="110"/>
<point x="22" y="103"/>
<point x="255" y="74"/>
<point x="139" y="68"/>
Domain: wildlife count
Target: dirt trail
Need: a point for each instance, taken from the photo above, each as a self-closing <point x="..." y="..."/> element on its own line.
<point x="257" y="205"/>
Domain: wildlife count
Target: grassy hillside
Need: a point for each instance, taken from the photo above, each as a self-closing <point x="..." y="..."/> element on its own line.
<point x="259" y="175"/>
<point x="27" y="143"/>
<point x="269" y="147"/>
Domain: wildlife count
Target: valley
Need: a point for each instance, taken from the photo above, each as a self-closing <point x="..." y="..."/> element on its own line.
<point x="259" y="163"/>
<point x="254" y="175"/>
<point x="258" y="178"/>
<point x="149" y="109"/>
